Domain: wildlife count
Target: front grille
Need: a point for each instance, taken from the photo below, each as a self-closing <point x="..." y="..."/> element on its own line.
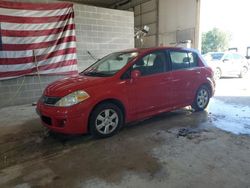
<point x="50" y="100"/>
<point x="46" y="120"/>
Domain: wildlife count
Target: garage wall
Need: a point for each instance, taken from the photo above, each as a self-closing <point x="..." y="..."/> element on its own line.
<point x="179" y="21"/>
<point x="101" y="31"/>
<point x="23" y="90"/>
<point x="146" y="13"/>
<point x="98" y="30"/>
<point x="170" y="21"/>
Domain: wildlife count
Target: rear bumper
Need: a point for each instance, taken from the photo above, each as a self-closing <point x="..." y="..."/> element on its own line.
<point x="67" y="120"/>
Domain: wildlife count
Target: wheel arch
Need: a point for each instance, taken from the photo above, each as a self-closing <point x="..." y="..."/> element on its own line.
<point x="114" y="101"/>
<point x="194" y="105"/>
<point x="245" y="66"/>
<point x="208" y="85"/>
<point x="220" y="69"/>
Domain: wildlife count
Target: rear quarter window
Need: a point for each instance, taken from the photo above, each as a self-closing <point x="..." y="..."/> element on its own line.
<point x="183" y="59"/>
<point x="193" y="59"/>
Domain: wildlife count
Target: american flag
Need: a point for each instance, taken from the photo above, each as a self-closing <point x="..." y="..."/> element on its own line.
<point x="37" y="37"/>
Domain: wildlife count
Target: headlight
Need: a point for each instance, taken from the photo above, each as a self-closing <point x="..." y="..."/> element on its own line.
<point x="73" y="98"/>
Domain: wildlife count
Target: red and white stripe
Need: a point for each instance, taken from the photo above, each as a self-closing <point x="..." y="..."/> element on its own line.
<point x="37" y="36"/>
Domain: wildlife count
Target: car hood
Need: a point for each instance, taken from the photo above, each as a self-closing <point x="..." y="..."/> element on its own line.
<point x="68" y="85"/>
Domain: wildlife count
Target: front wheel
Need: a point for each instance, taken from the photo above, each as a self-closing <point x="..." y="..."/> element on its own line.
<point x="201" y="99"/>
<point x="105" y="120"/>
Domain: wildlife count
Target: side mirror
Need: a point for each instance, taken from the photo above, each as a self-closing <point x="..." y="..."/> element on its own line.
<point x="135" y="74"/>
<point x="225" y="60"/>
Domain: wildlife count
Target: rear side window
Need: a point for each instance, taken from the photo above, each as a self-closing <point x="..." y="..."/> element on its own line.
<point x="237" y="56"/>
<point x="183" y="60"/>
<point x="193" y="59"/>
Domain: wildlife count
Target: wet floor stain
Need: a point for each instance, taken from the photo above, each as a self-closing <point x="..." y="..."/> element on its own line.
<point x="230" y="117"/>
<point x="106" y="159"/>
<point x="167" y="146"/>
<point x="32" y="141"/>
<point x="55" y="157"/>
<point x="67" y="161"/>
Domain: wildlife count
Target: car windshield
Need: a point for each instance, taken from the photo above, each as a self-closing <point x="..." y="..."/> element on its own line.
<point x="213" y="56"/>
<point x="110" y="64"/>
<point x="217" y="56"/>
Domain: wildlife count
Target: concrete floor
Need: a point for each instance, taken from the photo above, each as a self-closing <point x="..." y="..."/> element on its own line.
<point x="214" y="152"/>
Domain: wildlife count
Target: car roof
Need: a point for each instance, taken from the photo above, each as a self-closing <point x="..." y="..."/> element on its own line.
<point x="216" y="52"/>
<point x="145" y="50"/>
<point x="226" y="52"/>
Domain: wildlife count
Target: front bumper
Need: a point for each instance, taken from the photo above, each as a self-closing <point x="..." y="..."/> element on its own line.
<point x="67" y="120"/>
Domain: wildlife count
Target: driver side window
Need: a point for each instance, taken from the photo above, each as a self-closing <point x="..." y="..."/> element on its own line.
<point x="152" y="63"/>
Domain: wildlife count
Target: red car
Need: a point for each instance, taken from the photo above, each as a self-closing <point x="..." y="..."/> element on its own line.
<point x="124" y="87"/>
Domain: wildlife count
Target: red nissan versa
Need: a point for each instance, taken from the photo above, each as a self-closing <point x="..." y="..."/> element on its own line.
<point x="126" y="86"/>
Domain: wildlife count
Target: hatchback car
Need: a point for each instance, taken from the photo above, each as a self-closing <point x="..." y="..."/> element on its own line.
<point x="124" y="87"/>
<point x="227" y="64"/>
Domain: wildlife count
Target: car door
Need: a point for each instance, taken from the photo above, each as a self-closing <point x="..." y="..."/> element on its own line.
<point x="185" y="76"/>
<point x="151" y="92"/>
<point x="228" y="64"/>
<point x="238" y="63"/>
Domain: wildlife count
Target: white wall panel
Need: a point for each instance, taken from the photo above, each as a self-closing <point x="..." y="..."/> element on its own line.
<point x="179" y="17"/>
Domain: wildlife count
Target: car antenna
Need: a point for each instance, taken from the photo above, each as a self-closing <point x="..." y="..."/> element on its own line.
<point x="91" y="55"/>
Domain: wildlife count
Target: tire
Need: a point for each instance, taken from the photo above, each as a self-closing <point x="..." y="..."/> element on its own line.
<point x="217" y="74"/>
<point x="243" y="72"/>
<point x="202" y="98"/>
<point x="105" y="120"/>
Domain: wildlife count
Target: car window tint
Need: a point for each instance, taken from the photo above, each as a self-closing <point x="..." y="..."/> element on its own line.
<point x="237" y="56"/>
<point x="152" y="63"/>
<point x="183" y="60"/>
<point x="149" y="59"/>
<point x="215" y="56"/>
<point x="193" y="59"/>
<point x="229" y="56"/>
<point x="114" y="64"/>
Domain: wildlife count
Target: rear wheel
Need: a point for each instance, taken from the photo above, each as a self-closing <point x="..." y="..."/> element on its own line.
<point x="201" y="99"/>
<point x="243" y="72"/>
<point x="105" y="120"/>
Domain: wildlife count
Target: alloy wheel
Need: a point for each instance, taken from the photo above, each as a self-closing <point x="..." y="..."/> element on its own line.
<point x="107" y="121"/>
<point x="202" y="98"/>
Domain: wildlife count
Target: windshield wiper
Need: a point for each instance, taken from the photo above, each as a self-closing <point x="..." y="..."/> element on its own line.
<point x="101" y="74"/>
